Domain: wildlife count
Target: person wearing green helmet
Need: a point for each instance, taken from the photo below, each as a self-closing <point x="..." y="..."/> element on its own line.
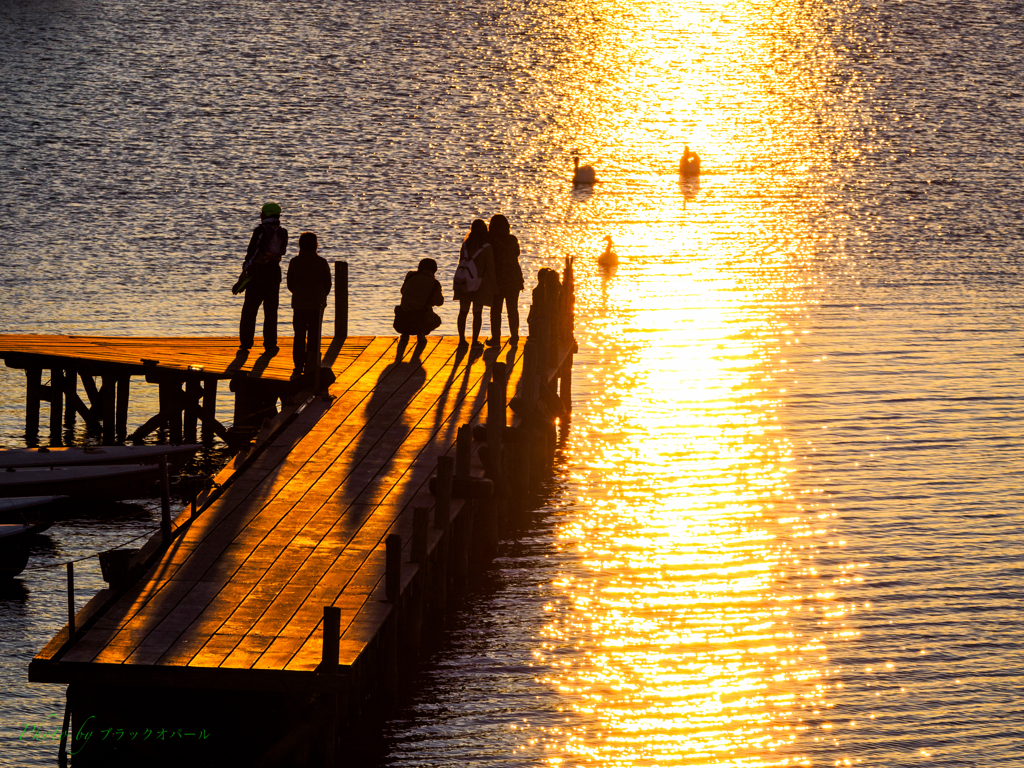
<point x="261" y="278"/>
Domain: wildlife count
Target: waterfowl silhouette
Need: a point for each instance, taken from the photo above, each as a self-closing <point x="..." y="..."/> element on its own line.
<point x="689" y="165"/>
<point x="609" y="258"/>
<point x="582" y="174"/>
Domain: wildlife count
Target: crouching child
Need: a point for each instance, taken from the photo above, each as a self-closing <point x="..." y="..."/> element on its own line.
<point x="415" y="316"/>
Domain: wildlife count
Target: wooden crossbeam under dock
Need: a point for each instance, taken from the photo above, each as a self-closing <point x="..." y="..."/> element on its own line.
<point x="237" y="601"/>
<point x="187" y="371"/>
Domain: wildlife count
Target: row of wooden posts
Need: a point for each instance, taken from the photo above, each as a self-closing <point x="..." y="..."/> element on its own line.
<point x="515" y="460"/>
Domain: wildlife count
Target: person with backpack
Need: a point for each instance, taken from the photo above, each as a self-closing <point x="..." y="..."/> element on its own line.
<point x="309" y="280"/>
<point x="508" y="279"/>
<point x="261" y="278"/>
<point x="474" y="283"/>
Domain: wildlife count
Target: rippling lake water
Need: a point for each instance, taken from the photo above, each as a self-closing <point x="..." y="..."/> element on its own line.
<point x="785" y="523"/>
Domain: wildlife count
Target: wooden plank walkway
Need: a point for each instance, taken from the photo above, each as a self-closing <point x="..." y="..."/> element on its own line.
<point x="217" y="356"/>
<point x="300" y="527"/>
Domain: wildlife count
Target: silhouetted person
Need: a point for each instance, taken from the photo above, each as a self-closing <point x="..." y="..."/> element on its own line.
<point x="262" y="267"/>
<point x="689" y="165"/>
<point x="309" y="280"/>
<point x="544" y="314"/>
<point x="508" y="279"/>
<point x="415" y="314"/>
<point x="474" y="282"/>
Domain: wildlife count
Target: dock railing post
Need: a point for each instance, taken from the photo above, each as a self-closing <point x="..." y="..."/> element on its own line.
<point x="332" y="639"/>
<point x="341" y="300"/>
<point x="393" y="567"/>
<point x="165" y="501"/>
<point x="443" y="499"/>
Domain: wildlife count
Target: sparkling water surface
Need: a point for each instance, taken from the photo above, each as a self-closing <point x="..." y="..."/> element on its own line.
<point x="784" y="527"/>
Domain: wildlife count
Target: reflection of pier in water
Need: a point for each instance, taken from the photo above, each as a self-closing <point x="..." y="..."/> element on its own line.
<point x="290" y="603"/>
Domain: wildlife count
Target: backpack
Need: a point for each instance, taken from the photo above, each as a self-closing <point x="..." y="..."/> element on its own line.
<point x="467" y="276"/>
<point x="275" y="241"/>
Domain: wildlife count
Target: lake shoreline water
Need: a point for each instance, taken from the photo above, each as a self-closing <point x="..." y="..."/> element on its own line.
<point x="782" y="530"/>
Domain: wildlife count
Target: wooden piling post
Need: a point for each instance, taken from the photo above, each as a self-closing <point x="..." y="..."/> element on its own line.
<point x="332" y="639"/>
<point x="70" y="391"/>
<point x="193" y="391"/>
<point x="33" y="379"/>
<point x="165" y="501"/>
<point x="56" y="390"/>
<point x="109" y="400"/>
<point x="565" y="384"/>
<point x="71" y="602"/>
<point x="209" y="408"/>
<point x="121" y="416"/>
<point x="463" y="446"/>
<point x="496" y="403"/>
<point x="393" y="567"/>
<point x="420" y="528"/>
<point x="341" y="300"/>
<point x="443" y="499"/>
<point x="175" y="413"/>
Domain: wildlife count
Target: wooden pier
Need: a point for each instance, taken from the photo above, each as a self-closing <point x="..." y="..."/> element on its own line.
<point x="186" y="370"/>
<point x="301" y="589"/>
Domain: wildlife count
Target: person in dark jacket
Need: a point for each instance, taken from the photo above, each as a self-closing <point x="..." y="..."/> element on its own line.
<point x="505" y="248"/>
<point x="309" y="280"/>
<point x="261" y="278"/>
<point x="415" y="315"/>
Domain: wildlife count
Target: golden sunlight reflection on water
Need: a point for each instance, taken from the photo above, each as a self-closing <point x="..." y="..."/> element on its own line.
<point x="684" y="614"/>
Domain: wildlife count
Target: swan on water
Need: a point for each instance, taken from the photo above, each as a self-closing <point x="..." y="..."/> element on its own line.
<point x="609" y="257"/>
<point x="582" y="174"/>
<point x="689" y="165"/>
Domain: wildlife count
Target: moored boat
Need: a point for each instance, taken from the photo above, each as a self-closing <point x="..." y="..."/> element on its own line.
<point x="18" y="458"/>
<point x="14" y="544"/>
<point x="27" y="509"/>
<point x="108" y="482"/>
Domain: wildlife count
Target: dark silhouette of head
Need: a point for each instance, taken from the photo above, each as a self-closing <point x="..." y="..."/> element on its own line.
<point x="499" y="225"/>
<point x="477" y="234"/>
<point x="427" y="265"/>
<point x="307" y="242"/>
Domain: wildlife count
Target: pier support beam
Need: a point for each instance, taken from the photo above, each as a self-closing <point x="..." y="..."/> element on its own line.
<point x="121" y="416"/>
<point x="33" y="387"/>
<point x="56" y="392"/>
<point x="209" y="408"/>
<point x="108" y="398"/>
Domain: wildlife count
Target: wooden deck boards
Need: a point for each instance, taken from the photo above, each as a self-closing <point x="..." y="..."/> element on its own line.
<point x="218" y="355"/>
<point x="303" y="526"/>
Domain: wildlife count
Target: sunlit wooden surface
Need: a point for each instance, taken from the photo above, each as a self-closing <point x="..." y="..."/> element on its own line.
<point x="302" y="528"/>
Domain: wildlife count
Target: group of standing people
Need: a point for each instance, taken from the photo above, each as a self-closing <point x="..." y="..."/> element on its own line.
<point x="488" y="274"/>
<point x="308" y="280"/>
